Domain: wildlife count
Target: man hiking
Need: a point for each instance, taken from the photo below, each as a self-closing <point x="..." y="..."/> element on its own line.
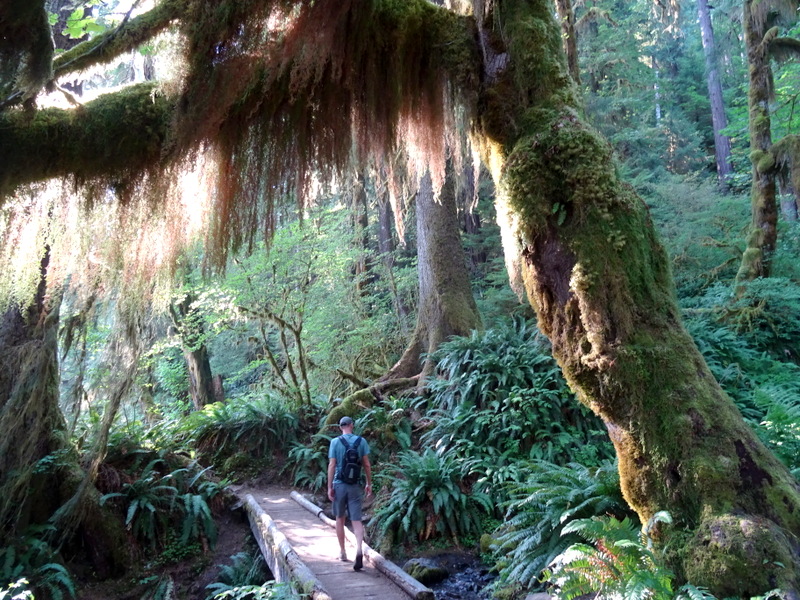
<point x="347" y="457"/>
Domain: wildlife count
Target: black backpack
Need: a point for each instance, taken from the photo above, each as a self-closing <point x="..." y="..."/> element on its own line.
<point x="350" y="471"/>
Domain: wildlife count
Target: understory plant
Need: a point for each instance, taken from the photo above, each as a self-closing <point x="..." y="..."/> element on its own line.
<point x="308" y="464"/>
<point x="155" y="503"/>
<point x="619" y="564"/>
<point x="257" y="427"/>
<point x="428" y="498"/>
<point x="240" y="579"/>
<point x="541" y="507"/>
<point x="29" y="566"/>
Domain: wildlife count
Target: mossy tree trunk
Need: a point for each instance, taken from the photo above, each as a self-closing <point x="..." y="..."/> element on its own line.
<point x="446" y="306"/>
<point x="601" y="286"/>
<point x="39" y="469"/>
<point x="764" y="229"/>
<point x="189" y="324"/>
<point x="569" y="37"/>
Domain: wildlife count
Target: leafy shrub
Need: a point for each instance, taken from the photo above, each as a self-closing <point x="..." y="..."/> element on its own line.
<point x="764" y="311"/>
<point x="152" y="502"/>
<point x="780" y="427"/>
<point x="620" y="564"/>
<point x="386" y="425"/>
<point x="28" y="558"/>
<point x="427" y="499"/>
<point x="550" y="498"/>
<point x="270" y="590"/>
<point x="16" y="590"/>
<point x="238" y="578"/>
<point x="309" y="464"/>
<point x="501" y="397"/>
<point x="163" y="589"/>
<point x="485" y="366"/>
<point x="254" y="426"/>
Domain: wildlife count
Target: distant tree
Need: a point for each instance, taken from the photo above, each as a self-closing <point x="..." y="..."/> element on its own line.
<point x="446" y="306"/>
<point x="722" y="144"/>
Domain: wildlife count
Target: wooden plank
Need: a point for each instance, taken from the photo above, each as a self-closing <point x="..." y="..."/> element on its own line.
<point x="281" y="558"/>
<point x="408" y="584"/>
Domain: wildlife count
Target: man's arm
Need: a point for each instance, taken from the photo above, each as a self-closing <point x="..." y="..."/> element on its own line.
<point x="331" y="473"/>
<point x="368" y="472"/>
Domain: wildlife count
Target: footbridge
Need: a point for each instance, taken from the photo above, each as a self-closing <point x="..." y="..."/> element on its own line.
<point x="299" y="544"/>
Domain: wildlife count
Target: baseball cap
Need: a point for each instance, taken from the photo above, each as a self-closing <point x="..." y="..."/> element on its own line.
<point x="345" y="421"/>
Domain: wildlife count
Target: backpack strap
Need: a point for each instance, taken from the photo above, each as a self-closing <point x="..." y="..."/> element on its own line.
<point x="357" y="442"/>
<point x="345" y="444"/>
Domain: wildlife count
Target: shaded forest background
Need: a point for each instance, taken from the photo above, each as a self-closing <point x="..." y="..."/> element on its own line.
<point x="212" y="378"/>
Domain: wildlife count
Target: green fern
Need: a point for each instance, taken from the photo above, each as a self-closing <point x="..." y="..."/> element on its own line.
<point x="16" y="590"/>
<point x="619" y="563"/>
<point x="28" y="558"/>
<point x="308" y="464"/>
<point x="428" y="498"/>
<point x="551" y="496"/>
<point x="256" y="426"/>
<point x="270" y="590"/>
<point x="245" y="571"/>
<point x="164" y="589"/>
<point x="149" y="502"/>
<point x="197" y="519"/>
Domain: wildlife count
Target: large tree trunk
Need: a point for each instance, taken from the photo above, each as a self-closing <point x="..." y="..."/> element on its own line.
<point x="600" y="283"/>
<point x="39" y="470"/>
<point x="195" y="352"/>
<point x="446" y="305"/>
<point x="722" y="144"/>
<point x="764" y="230"/>
<point x="386" y="249"/>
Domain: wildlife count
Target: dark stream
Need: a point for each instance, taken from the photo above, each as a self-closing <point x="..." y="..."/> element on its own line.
<point x="468" y="578"/>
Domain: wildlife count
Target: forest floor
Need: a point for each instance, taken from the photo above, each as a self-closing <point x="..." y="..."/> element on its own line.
<point x="190" y="575"/>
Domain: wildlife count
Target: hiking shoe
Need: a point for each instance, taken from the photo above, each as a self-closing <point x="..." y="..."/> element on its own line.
<point x="343" y="555"/>
<point x="358" y="564"/>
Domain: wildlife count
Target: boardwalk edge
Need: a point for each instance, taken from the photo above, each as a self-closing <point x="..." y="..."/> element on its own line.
<point x="281" y="559"/>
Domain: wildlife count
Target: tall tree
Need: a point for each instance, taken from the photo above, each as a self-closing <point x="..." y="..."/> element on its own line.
<point x="445" y="306"/>
<point x="722" y="144"/>
<point x="188" y="322"/>
<point x="593" y="267"/>
<point x="761" y="21"/>
<point x="39" y="469"/>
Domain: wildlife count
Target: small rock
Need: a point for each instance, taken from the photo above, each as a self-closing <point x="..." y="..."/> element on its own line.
<point x="425" y="571"/>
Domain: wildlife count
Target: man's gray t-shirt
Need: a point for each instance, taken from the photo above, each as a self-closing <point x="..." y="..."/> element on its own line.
<point x="337" y="451"/>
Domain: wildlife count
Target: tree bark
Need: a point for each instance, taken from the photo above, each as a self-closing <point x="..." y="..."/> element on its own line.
<point x="386" y="248"/>
<point x="601" y="286"/>
<point x="39" y="469"/>
<point x="764" y="229"/>
<point x="446" y="305"/>
<point x="567" y="17"/>
<point x="722" y="144"/>
<point x="195" y="351"/>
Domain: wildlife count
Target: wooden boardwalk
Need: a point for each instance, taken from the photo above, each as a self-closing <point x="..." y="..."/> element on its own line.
<point x="316" y="545"/>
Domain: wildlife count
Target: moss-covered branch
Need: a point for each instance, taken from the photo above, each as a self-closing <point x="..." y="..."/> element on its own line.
<point x="125" y="38"/>
<point x="116" y="135"/>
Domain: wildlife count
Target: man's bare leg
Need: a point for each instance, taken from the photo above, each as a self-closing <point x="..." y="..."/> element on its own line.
<point x="358" y="530"/>
<point x="340" y="537"/>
